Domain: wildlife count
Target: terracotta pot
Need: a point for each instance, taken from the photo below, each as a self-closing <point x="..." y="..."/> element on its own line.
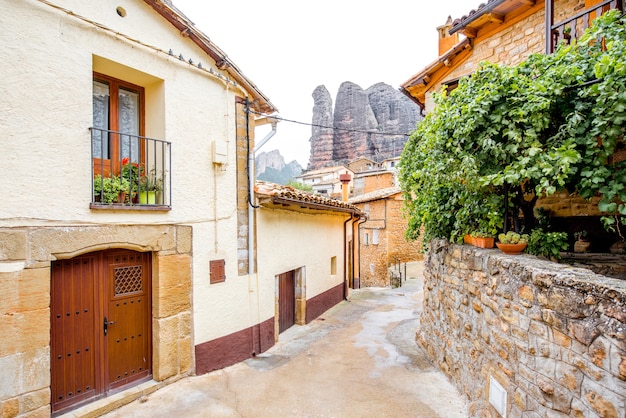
<point x="483" y="242"/>
<point x="512" y="249"/>
<point x="581" y="246"/>
<point x="468" y="239"/>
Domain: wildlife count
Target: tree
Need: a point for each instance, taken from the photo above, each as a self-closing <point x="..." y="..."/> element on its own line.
<point x="507" y="135"/>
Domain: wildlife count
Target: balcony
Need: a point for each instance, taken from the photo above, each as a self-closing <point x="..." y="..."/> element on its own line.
<point x="573" y="27"/>
<point x="129" y="171"/>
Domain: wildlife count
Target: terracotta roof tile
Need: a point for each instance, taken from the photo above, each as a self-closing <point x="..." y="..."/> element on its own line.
<point x="264" y="188"/>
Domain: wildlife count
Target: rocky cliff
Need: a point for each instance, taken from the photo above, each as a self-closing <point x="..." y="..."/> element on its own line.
<point x="373" y="123"/>
<point x="270" y="166"/>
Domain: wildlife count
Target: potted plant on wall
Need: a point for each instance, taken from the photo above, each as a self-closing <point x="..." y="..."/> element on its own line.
<point x="110" y="189"/>
<point x="482" y="239"/>
<point x="582" y="244"/>
<point x="512" y="242"/>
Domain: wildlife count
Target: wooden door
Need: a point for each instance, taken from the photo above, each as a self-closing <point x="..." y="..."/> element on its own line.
<point x="75" y="348"/>
<point x="100" y="325"/>
<point x="286" y="300"/>
<point x="127" y="328"/>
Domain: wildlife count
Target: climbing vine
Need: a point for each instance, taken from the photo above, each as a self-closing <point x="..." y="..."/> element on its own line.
<point x="507" y="135"/>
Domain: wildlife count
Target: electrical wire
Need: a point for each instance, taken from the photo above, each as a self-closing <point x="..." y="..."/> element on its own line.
<point x="329" y="127"/>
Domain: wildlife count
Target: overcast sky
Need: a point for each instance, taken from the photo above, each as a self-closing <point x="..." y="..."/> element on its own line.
<point x="287" y="48"/>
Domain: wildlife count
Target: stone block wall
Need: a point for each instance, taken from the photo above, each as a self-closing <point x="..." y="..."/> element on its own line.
<point x="553" y="336"/>
<point x="26" y="254"/>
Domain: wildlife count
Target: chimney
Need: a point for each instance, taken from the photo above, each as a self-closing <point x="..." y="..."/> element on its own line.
<point x="447" y="41"/>
<point x="345" y="180"/>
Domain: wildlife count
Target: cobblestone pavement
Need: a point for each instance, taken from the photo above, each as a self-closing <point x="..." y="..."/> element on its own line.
<point x="359" y="359"/>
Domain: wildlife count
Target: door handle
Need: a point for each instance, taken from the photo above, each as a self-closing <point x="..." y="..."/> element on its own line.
<point x="106" y="325"/>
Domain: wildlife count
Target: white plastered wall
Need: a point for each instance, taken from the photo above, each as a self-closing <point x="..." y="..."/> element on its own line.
<point x="288" y="240"/>
<point x="46" y="102"/>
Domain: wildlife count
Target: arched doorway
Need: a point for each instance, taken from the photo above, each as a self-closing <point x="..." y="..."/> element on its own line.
<point x="101" y="335"/>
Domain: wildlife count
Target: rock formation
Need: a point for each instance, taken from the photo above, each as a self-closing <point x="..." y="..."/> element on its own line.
<point x="373" y="123"/>
<point x="270" y="166"/>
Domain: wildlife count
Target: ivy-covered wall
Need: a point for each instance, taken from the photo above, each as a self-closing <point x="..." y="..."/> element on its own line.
<point x="553" y="336"/>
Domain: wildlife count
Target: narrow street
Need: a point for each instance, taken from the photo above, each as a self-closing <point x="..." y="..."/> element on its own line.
<point x="359" y="359"/>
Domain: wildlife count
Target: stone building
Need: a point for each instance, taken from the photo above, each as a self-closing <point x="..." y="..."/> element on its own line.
<point x="382" y="234"/>
<point x="129" y="251"/>
<point x="519" y="336"/>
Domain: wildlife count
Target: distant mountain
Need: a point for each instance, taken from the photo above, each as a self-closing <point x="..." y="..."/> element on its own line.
<point x="373" y="123"/>
<point x="270" y="166"/>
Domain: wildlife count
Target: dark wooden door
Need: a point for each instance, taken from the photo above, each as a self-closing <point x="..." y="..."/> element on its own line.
<point x="75" y="347"/>
<point x="100" y="325"/>
<point x="286" y="300"/>
<point x="127" y="336"/>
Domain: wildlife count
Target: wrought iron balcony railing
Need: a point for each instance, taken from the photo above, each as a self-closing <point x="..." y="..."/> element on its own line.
<point x="129" y="171"/>
<point x="573" y="27"/>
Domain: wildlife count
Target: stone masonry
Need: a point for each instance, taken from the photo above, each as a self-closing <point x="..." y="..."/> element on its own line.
<point x="553" y="336"/>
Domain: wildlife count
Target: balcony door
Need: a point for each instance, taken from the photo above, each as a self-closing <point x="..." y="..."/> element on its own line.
<point x="118" y="115"/>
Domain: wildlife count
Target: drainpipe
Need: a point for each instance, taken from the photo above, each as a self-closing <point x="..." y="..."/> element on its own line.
<point x="345" y="257"/>
<point x="251" y="206"/>
<point x="357" y="242"/>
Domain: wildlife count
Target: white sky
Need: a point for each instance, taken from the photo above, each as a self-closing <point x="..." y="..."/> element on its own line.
<point x="288" y="48"/>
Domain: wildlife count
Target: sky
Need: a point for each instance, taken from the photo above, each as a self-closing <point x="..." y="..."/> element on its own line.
<point x="288" y="48"/>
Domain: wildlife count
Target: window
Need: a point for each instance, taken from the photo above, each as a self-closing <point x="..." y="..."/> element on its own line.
<point x="117" y="122"/>
<point x="127" y="168"/>
<point x="375" y="237"/>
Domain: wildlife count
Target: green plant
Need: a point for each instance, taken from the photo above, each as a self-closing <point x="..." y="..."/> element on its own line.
<point x="108" y="189"/>
<point x="580" y="235"/>
<point x="300" y="186"/>
<point x="480" y="234"/>
<point x="151" y="182"/>
<point x="547" y="244"/>
<point x="508" y="135"/>
<point x="512" y="238"/>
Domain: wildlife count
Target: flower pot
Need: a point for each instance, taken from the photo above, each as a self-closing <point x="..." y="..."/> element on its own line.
<point x="581" y="246"/>
<point x="512" y="249"/>
<point x="147" y="198"/>
<point x="468" y="239"/>
<point x="483" y="242"/>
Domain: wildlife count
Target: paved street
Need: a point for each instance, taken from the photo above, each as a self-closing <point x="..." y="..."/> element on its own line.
<point x="359" y="359"/>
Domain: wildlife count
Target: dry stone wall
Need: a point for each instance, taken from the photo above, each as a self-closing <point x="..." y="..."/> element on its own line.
<point x="553" y="336"/>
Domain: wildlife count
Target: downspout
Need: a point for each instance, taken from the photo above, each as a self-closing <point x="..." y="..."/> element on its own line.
<point x="251" y="179"/>
<point x="345" y="257"/>
<point x="345" y="181"/>
<point x="357" y="243"/>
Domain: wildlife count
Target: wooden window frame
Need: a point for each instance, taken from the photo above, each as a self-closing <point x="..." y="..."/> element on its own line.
<point x="114" y="151"/>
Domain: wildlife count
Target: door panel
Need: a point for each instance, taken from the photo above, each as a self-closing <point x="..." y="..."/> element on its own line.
<point x="286" y="300"/>
<point x="128" y="319"/>
<point x="91" y="357"/>
<point x="73" y="326"/>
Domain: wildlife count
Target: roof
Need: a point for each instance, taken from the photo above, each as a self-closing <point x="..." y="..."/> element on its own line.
<point x="187" y="29"/>
<point x="376" y="195"/>
<point x="275" y="194"/>
<point x="487" y="17"/>
<point x="333" y="169"/>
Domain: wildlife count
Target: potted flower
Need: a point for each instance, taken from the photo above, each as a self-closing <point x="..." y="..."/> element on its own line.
<point x="482" y="239"/>
<point x="110" y="189"/>
<point x="512" y="242"/>
<point x="149" y="185"/>
<point x="582" y="244"/>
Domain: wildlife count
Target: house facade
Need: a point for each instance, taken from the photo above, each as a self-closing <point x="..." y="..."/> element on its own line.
<point x="326" y="181"/>
<point x="507" y="32"/>
<point x="532" y="346"/>
<point x="124" y="258"/>
<point x="307" y="249"/>
<point x="382" y="242"/>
